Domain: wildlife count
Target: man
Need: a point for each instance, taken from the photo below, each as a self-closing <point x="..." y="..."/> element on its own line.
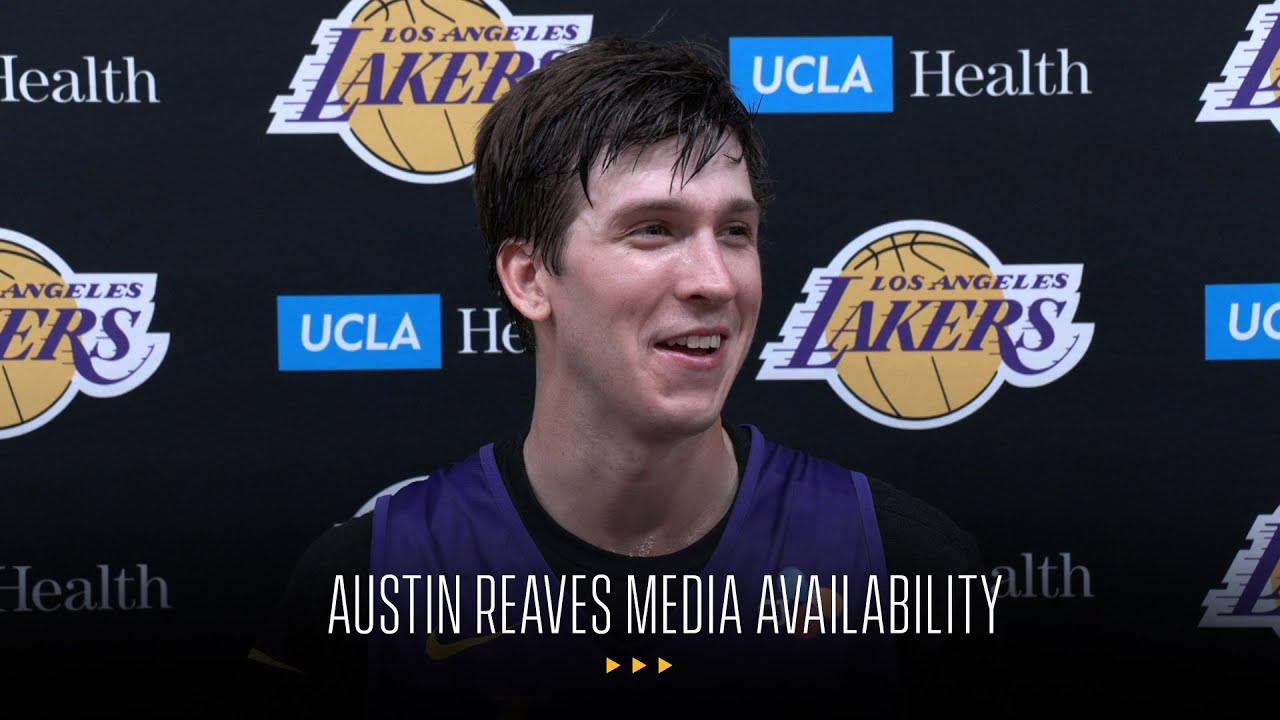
<point x="620" y="190"/>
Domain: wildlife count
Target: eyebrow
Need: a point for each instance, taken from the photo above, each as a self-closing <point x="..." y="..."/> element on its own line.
<point x="735" y="206"/>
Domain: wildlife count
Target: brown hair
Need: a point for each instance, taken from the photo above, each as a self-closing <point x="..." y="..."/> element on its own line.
<point x="595" y="102"/>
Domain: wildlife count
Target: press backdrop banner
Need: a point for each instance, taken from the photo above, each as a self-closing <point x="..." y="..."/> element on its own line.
<point x="1023" y="263"/>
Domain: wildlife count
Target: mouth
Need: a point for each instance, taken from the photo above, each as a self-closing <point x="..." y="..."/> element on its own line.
<point x="694" y="345"/>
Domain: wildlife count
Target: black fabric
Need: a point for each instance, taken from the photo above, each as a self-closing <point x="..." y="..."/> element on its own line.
<point x="568" y="554"/>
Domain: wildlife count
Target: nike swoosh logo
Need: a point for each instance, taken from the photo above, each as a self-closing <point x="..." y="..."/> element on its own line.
<point x="437" y="650"/>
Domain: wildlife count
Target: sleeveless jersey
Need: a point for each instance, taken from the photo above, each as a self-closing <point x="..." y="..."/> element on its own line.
<point x="796" y="521"/>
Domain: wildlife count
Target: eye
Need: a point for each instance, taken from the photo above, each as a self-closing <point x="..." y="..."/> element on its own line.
<point x="650" y="235"/>
<point x="740" y="232"/>
<point x="652" y="229"/>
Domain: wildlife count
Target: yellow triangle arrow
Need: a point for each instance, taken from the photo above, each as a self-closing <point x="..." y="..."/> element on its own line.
<point x="636" y="665"/>
<point x="663" y="665"/>
<point x="610" y="665"/>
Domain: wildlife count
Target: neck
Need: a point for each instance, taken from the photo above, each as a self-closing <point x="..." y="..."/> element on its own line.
<point x="628" y="493"/>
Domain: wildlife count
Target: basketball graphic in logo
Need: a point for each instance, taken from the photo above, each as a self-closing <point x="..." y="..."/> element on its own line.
<point x="29" y="388"/>
<point x="438" y="136"/>
<point x="896" y="379"/>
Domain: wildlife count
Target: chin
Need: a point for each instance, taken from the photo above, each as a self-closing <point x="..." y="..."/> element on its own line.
<point x="686" y="421"/>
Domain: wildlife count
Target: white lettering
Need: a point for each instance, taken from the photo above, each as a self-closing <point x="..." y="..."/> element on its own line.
<point x="68" y="85"/>
<point x="791" y="74"/>
<point x="25" y="83"/>
<point x="134" y="76"/>
<point x="395" y="613"/>
<point x="132" y="589"/>
<point x="966" y="74"/>
<point x="756" y="75"/>
<point x="339" y="598"/>
<point x="873" y="598"/>
<point x="485" y="610"/>
<point x="857" y="78"/>
<point x="991" y="593"/>
<point x="69" y="89"/>
<point x="371" y="342"/>
<point x="1269" y="322"/>
<point x="943" y="73"/>
<point x="1002" y="82"/>
<point x="596" y="595"/>
<point x="645" y="616"/>
<point x="1233" y="325"/>
<point x="1067" y="66"/>
<point x="340" y="338"/>
<point x="406" y="335"/>
<point x="825" y="87"/>
<point x="307" y="342"/>
<point x="509" y="337"/>
<point x="1001" y="79"/>
<point x="8" y="78"/>
<point x="898" y="598"/>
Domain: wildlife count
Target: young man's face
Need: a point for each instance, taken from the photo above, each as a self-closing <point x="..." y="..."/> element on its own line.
<point x="657" y="303"/>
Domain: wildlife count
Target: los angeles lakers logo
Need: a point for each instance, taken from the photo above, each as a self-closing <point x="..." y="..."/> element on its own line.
<point x="1252" y="595"/>
<point x="406" y="82"/>
<point x="916" y="324"/>
<point x="1250" y="88"/>
<point x="63" y="333"/>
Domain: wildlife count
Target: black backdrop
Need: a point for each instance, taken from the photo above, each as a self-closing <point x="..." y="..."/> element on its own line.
<point x="1146" y="463"/>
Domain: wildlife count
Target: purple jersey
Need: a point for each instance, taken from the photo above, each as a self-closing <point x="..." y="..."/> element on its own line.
<point x="795" y="516"/>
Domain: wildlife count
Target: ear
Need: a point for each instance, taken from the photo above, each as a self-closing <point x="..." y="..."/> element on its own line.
<point x="523" y="275"/>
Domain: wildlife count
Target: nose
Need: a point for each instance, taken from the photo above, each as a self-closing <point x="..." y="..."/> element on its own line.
<point x="705" y="274"/>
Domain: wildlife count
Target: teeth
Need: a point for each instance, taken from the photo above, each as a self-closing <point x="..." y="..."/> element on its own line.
<point x="704" y="342"/>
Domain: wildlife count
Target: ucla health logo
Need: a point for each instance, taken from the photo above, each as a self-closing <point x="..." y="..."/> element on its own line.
<point x="63" y="332"/>
<point x="405" y="84"/>
<point x="916" y="324"/>
<point x="813" y="74"/>
<point x="1242" y="322"/>
<point x="1252" y="595"/>
<point x="1251" y="86"/>
<point x="359" y="332"/>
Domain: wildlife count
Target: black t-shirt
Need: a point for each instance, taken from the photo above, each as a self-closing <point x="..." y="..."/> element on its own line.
<point x="295" y="664"/>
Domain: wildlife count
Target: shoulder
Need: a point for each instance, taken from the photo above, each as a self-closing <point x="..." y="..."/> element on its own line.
<point x="295" y="663"/>
<point x="920" y="539"/>
<point x="302" y="609"/>
<point x="301" y="612"/>
<point x="341" y="549"/>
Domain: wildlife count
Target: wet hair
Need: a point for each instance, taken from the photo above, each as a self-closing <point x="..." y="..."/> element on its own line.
<point x="601" y="99"/>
